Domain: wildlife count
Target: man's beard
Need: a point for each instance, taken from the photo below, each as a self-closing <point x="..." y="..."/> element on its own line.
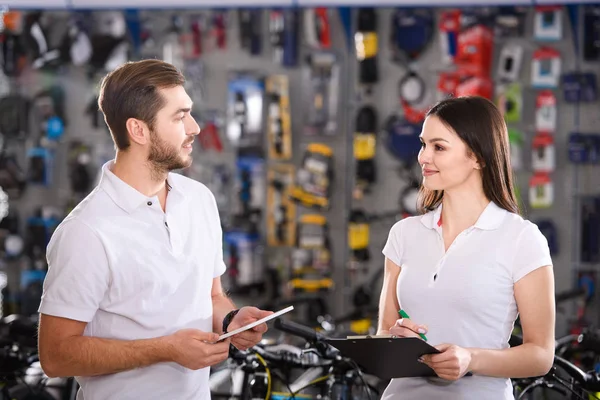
<point x="164" y="157"/>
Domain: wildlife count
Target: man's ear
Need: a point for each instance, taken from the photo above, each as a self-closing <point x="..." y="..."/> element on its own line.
<point x="138" y="131"/>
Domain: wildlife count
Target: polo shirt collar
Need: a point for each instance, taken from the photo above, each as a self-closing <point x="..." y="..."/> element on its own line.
<point x="125" y="196"/>
<point x="491" y="218"/>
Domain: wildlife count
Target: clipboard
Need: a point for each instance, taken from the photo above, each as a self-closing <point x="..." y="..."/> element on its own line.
<point x="387" y="357"/>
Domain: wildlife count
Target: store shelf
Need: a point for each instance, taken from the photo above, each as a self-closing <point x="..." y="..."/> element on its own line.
<point x="161" y="4"/>
<point x="411" y="3"/>
<point x="34" y="4"/>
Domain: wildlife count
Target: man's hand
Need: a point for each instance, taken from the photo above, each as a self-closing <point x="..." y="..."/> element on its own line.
<point x="250" y="337"/>
<point x="195" y="349"/>
<point x="451" y="364"/>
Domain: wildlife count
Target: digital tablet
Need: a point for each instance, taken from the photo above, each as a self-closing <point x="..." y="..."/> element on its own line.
<point x="256" y="323"/>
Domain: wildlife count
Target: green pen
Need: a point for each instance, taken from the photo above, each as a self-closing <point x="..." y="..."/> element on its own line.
<point x="403" y="314"/>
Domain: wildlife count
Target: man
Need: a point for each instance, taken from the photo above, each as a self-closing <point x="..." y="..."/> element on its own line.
<point x="133" y="303"/>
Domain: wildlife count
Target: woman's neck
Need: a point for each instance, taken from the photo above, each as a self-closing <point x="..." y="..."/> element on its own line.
<point x="462" y="210"/>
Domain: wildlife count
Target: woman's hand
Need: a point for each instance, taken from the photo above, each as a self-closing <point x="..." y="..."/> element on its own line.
<point x="406" y="328"/>
<point x="451" y="364"/>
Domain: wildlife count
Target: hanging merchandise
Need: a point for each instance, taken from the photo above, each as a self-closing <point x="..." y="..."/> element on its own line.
<point x="314" y="178"/>
<point x="279" y="126"/>
<point x="243" y="255"/>
<point x="475" y="86"/>
<point x="545" y="68"/>
<point x="283" y="30"/>
<point x="251" y="187"/>
<point x="515" y="139"/>
<point x="475" y="51"/>
<point x="415" y="99"/>
<point x="35" y="37"/>
<point x="541" y="190"/>
<point x="358" y="236"/>
<point x="245" y="111"/>
<point x="250" y="21"/>
<point x="365" y="145"/>
<point x="210" y="135"/>
<point x="590" y="229"/>
<point x="547" y="25"/>
<point x="76" y="47"/>
<point x="366" y="43"/>
<point x="510" y="101"/>
<point x="317" y="28"/>
<point x="447" y="84"/>
<point x="579" y="87"/>
<point x="401" y="139"/>
<point x="449" y="27"/>
<point x="50" y="112"/>
<point x="219" y="28"/>
<point x="190" y="40"/>
<point x="412" y="32"/>
<point x="80" y="174"/>
<point x="110" y="41"/>
<point x="543" y="153"/>
<point x="584" y="148"/>
<point x="509" y="64"/>
<point x="14" y="116"/>
<point x="311" y="259"/>
<point x="548" y="229"/>
<point x="281" y="218"/>
<point x="545" y="112"/>
<point x="591" y="33"/>
<point x="322" y="76"/>
<point x="13" y="180"/>
<point x="510" y="21"/>
<point x="40" y="227"/>
<point x="40" y="166"/>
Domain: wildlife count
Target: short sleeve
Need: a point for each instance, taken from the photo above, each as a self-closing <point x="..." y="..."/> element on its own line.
<point x="78" y="273"/>
<point x="393" y="248"/>
<point x="532" y="252"/>
<point x="219" y="266"/>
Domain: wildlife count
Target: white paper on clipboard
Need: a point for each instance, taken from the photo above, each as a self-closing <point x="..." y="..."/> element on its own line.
<point x="256" y="323"/>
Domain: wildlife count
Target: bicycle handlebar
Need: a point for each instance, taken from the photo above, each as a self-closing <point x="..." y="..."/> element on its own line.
<point x="589" y="382"/>
<point x="293" y="328"/>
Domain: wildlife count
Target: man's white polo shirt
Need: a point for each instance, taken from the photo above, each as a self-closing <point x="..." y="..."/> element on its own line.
<point x="464" y="295"/>
<point x="132" y="271"/>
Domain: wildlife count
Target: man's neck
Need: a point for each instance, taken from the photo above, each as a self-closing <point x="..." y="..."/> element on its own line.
<point x="139" y="175"/>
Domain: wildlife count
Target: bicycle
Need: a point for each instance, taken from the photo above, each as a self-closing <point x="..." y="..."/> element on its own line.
<point x="269" y="372"/>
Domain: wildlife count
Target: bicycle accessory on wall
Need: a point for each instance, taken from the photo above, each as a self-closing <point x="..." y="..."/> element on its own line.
<point x="366" y="42"/>
<point x="550" y="232"/>
<point x="80" y="158"/>
<point x="591" y="32"/>
<point x="545" y="68"/>
<point x="41" y="161"/>
<point x="281" y="218"/>
<point x="475" y="86"/>
<point x="541" y="190"/>
<point x="510" y="21"/>
<point x="245" y="111"/>
<point x="311" y="259"/>
<point x="251" y="186"/>
<point x="279" y="128"/>
<point x="449" y="27"/>
<point x="365" y="145"/>
<point x="415" y="99"/>
<point x="509" y="64"/>
<point x="317" y="28"/>
<point x="358" y="236"/>
<point x="545" y="112"/>
<point x="510" y="100"/>
<point x="579" y="87"/>
<point x="321" y="73"/>
<point x="547" y="25"/>
<point x="283" y="30"/>
<point x="250" y="21"/>
<point x="244" y="258"/>
<point x="314" y="177"/>
<point x="412" y="32"/>
<point x="36" y="40"/>
<point x="402" y="140"/>
<point x="475" y="51"/>
<point x="581" y="146"/>
<point x="543" y="153"/>
<point x="515" y="139"/>
<point x="14" y="116"/>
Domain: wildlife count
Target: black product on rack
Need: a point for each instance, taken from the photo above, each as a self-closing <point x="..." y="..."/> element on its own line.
<point x="358" y="235"/>
<point x="591" y="33"/>
<point x="250" y="30"/>
<point x="366" y="43"/>
<point x="364" y="148"/>
<point x="412" y="32"/>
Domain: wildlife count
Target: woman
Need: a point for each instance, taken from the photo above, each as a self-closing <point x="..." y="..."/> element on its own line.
<point x="462" y="269"/>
